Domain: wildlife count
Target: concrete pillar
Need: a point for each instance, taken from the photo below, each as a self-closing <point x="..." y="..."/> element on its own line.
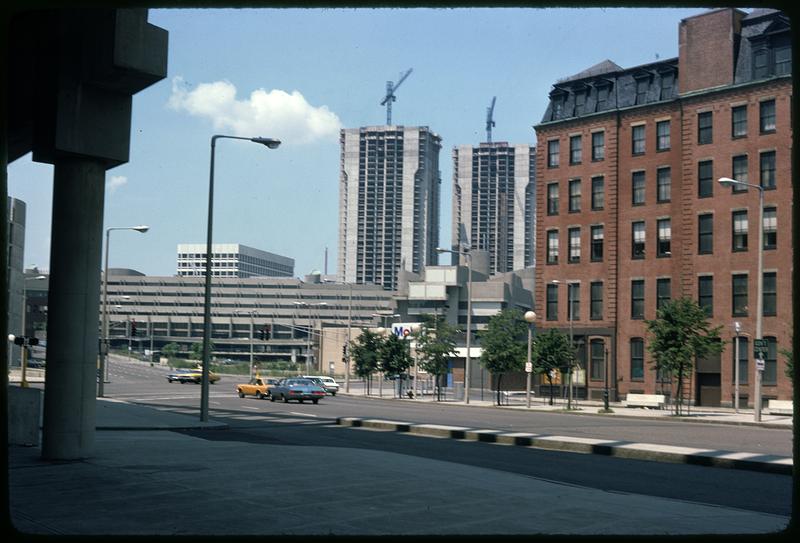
<point x="73" y="309"/>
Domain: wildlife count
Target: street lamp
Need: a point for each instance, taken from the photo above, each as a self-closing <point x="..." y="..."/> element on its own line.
<point x="252" y="335"/>
<point x="466" y="253"/>
<point x="727" y="182"/>
<point x="104" y="350"/>
<point x="271" y="144"/>
<point x="571" y="343"/>
<point x="737" y="327"/>
<point x="530" y="317"/>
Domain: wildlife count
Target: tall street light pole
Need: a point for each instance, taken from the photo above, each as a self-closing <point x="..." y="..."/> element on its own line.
<point x="271" y="144"/>
<point x="468" y="256"/>
<point x="104" y="350"/>
<point x="571" y="343"/>
<point x="737" y="327"/>
<point x="530" y="317"/>
<point x="727" y="182"/>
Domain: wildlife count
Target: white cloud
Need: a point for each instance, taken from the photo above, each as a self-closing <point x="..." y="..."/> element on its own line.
<point x="115" y="182"/>
<point x="275" y="113"/>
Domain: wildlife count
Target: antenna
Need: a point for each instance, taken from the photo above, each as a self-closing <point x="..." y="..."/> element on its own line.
<point x="489" y="121"/>
<point x="390" y="97"/>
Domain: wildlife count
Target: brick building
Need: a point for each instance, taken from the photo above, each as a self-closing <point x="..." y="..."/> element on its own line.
<point x="631" y="213"/>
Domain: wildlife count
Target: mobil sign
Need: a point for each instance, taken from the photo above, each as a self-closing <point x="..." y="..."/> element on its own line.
<point x="403" y="329"/>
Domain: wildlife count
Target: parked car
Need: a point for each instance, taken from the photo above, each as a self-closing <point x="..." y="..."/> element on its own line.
<point x="258" y="387"/>
<point x="186" y="375"/>
<point x="328" y="383"/>
<point x="297" y="389"/>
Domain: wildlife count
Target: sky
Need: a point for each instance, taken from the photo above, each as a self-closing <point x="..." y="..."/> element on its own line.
<point x="300" y="75"/>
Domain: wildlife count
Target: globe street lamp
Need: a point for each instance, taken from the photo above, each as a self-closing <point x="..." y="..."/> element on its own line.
<point x="530" y="317"/>
<point x="468" y="256"/>
<point x="270" y="144"/>
<point x="104" y="349"/>
<point x="727" y="182"/>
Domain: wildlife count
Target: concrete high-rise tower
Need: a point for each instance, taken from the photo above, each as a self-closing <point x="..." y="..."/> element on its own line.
<point x="494" y="207"/>
<point x="388" y="202"/>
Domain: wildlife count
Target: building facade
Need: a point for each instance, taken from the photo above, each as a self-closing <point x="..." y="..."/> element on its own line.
<point x="280" y="319"/>
<point x="389" y="190"/>
<point x="494" y="207"/>
<point x="232" y="260"/>
<point x="632" y="213"/>
<point x="16" y="279"/>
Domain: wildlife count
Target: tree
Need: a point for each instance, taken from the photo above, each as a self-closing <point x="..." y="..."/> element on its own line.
<point x="171" y="350"/>
<point x="436" y="345"/>
<point x="504" y="344"/>
<point x="395" y="358"/>
<point x="551" y="352"/>
<point x="365" y="352"/>
<point x="196" y="350"/>
<point x="678" y="336"/>
<point x="788" y="355"/>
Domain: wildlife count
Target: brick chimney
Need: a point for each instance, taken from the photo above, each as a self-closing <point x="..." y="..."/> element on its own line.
<point x="708" y="44"/>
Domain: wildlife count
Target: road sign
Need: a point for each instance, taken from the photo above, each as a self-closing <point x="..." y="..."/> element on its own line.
<point x="760" y="348"/>
<point x="528" y="367"/>
<point x="759" y="364"/>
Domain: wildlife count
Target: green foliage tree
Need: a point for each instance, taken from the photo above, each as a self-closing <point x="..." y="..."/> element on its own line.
<point x="365" y="353"/>
<point x="551" y="353"/>
<point x="788" y="356"/>
<point x="196" y="350"/>
<point x="395" y="358"/>
<point x="504" y="344"/>
<point x="679" y="335"/>
<point x="436" y="345"/>
<point x="171" y="350"/>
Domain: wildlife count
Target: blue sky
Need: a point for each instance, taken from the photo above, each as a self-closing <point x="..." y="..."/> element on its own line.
<point x="301" y="74"/>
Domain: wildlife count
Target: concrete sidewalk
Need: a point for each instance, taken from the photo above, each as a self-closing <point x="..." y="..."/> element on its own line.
<point x="146" y="480"/>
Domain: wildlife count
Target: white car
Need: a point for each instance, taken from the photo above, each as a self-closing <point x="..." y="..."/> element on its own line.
<point x="328" y="383"/>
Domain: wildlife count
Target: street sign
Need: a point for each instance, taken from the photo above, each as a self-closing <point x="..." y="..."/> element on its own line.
<point x="759" y="364"/>
<point x="760" y="348"/>
<point x="528" y="367"/>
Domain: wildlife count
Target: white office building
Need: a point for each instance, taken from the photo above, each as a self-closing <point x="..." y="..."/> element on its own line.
<point x="232" y="260"/>
<point x="494" y="203"/>
<point x="388" y="203"/>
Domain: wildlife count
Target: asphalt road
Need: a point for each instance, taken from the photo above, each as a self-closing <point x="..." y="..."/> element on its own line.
<point x="260" y="421"/>
<point x="141" y="383"/>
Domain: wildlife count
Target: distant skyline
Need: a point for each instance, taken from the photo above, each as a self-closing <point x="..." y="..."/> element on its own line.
<point x="300" y="75"/>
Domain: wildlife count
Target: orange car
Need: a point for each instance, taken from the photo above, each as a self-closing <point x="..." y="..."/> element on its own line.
<point x="258" y="387"/>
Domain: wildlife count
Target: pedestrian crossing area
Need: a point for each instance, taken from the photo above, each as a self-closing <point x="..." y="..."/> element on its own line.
<point x="278" y="418"/>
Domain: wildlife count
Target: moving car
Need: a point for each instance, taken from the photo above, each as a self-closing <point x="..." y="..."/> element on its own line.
<point x="258" y="387"/>
<point x="297" y="389"/>
<point x="328" y="383"/>
<point x="186" y="375"/>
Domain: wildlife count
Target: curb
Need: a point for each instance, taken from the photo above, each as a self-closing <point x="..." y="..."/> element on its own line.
<point x="765" y="463"/>
<point x="615" y="408"/>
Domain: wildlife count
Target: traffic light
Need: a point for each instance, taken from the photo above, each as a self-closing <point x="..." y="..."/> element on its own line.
<point x="344" y="350"/>
<point x="266" y="332"/>
<point x="261" y="334"/>
<point x="33" y="341"/>
<point x="133" y="328"/>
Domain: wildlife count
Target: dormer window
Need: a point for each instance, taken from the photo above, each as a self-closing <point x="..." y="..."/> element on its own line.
<point x="580" y="101"/>
<point x="667" y="83"/>
<point x="603" y="90"/>
<point x="642" y="87"/>
<point x="557" y="98"/>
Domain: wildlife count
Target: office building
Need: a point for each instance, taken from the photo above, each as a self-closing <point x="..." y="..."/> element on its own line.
<point x="232" y="260"/>
<point x="494" y="207"/>
<point x="632" y="213"/>
<point x="16" y="279"/>
<point x="388" y="203"/>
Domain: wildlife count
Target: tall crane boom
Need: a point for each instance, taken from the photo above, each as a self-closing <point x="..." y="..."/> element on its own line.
<point x="489" y="120"/>
<point x="390" y="97"/>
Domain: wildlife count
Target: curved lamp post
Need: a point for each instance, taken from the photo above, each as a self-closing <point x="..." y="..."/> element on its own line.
<point x="727" y="182"/>
<point x="530" y="318"/>
<point x="104" y="351"/>
<point x="465" y="252"/>
<point x="271" y="144"/>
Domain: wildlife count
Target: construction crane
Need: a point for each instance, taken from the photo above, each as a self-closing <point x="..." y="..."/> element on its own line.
<point x="390" y="97"/>
<point x="489" y="121"/>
